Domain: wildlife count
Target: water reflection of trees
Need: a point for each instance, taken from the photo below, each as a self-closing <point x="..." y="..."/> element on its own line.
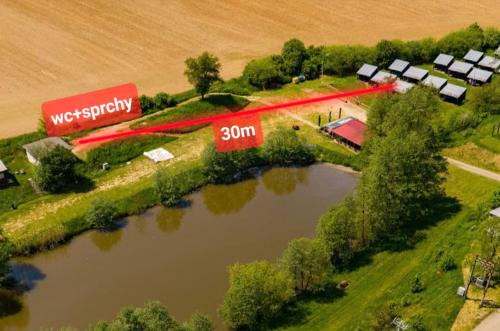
<point x="170" y="219"/>
<point x="283" y="181"/>
<point x="229" y="199"/>
<point x="105" y="240"/>
<point x="14" y="313"/>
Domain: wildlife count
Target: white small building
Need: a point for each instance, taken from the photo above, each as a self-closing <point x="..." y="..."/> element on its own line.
<point x="35" y="150"/>
<point x="158" y="155"/>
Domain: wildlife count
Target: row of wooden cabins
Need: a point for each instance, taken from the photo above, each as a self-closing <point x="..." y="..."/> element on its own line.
<point x="405" y="77"/>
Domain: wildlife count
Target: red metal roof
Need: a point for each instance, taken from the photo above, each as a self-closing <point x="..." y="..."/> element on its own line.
<point x="353" y="131"/>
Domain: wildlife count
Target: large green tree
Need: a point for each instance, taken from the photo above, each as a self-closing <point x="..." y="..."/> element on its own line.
<point x="294" y="54"/>
<point x="56" y="170"/>
<point x="405" y="165"/>
<point x="264" y="73"/>
<point x="308" y="261"/>
<point x="257" y="292"/>
<point x="202" y="72"/>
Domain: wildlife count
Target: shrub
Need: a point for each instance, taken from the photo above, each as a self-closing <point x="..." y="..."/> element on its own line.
<point x="198" y="322"/>
<point x="257" y="293"/>
<point x="147" y="104"/>
<point x="416" y="323"/>
<point x="56" y="170"/>
<point x="447" y="263"/>
<point x="283" y="147"/>
<point x="228" y="166"/>
<point x="307" y="261"/>
<point x="459" y="42"/>
<point x="168" y="188"/>
<point x="387" y="51"/>
<point x="162" y="100"/>
<point x="345" y="60"/>
<point x="416" y="285"/>
<point x="101" y="214"/>
<point x="264" y="73"/>
<point x="238" y="86"/>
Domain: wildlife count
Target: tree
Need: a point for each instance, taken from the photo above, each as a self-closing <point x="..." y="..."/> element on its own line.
<point x="293" y="54"/>
<point x="405" y="165"/>
<point x="202" y="72"/>
<point x="257" y="292"/>
<point x="101" y="214"/>
<point x="162" y="100"/>
<point x="491" y="38"/>
<point x="198" y="322"/>
<point x="387" y="51"/>
<point x="56" y="170"/>
<point x="459" y="42"/>
<point x="168" y="188"/>
<point x="308" y="261"/>
<point x="283" y="147"/>
<point x="337" y="231"/>
<point x="264" y="73"/>
<point x="486" y="100"/>
<point x="147" y="103"/>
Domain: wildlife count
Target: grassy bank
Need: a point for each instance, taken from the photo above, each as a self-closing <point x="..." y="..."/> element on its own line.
<point x="386" y="277"/>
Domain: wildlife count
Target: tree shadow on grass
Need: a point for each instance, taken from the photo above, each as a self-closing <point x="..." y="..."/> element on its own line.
<point x="297" y="311"/>
<point x="436" y="209"/>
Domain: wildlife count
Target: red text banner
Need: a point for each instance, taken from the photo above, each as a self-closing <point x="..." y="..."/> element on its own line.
<point x="91" y="110"/>
<point x="238" y="133"/>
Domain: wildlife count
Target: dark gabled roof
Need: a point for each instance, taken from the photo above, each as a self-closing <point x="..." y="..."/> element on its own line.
<point x="382" y="76"/>
<point x="461" y="67"/>
<point x="415" y="73"/>
<point x="435" y="81"/>
<point x="444" y="59"/>
<point x="480" y="75"/>
<point x="473" y="56"/>
<point x="46" y="144"/>
<point x="3" y="168"/>
<point x="367" y="70"/>
<point x="399" y="65"/>
<point x="452" y="90"/>
<point x="401" y="86"/>
<point x="490" y="62"/>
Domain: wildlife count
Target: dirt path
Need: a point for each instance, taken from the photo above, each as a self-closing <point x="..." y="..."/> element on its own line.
<point x="474" y="170"/>
<point x="490" y="323"/>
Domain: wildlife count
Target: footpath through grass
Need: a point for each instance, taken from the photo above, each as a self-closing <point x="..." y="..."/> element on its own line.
<point x="386" y="276"/>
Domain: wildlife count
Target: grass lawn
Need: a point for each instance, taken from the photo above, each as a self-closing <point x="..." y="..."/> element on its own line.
<point x="386" y="276"/>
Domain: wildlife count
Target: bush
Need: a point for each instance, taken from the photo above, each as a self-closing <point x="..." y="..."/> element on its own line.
<point x="307" y="261"/>
<point x="346" y="60"/>
<point x="264" y="73"/>
<point x="162" y="100"/>
<point x="416" y="285"/>
<point x="228" y="166"/>
<point x="101" y="214"/>
<point x="123" y="150"/>
<point x="56" y="170"/>
<point x="168" y="188"/>
<point x="447" y="263"/>
<point x="387" y="51"/>
<point x="283" y="147"/>
<point x="459" y="42"/>
<point x="486" y="100"/>
<point x="238" y="86"/>
<point x="198" y="322"/>
<point x="416" y="323"/>
<point x="257" y="292"/>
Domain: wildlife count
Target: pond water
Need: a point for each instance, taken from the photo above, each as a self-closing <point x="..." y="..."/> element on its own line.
<point x="178" y="256"/>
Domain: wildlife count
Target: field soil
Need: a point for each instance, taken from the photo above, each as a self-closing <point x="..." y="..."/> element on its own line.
<point x="53" y="49"/>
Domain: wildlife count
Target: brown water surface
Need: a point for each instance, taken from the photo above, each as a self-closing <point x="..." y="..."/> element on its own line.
<point x="177" y="256"/>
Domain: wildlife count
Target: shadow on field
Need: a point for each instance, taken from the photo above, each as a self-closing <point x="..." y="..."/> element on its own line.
<point x="297" y="311"/>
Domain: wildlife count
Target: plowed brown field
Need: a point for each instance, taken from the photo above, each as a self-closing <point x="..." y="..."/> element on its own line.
<point x="52" y="49"/>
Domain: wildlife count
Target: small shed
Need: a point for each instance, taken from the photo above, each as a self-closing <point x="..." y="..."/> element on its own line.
<point x="490" y="63"/>
<point x="453" y="93"/>
<point x="398" y="67"/>
<point x="401" y="86"/>
<point x="460" y="69"/>
<point x="366" y="72"/>
<point x="495" y="212"/>
<point x="383" y="77"/>
<point x="473" y="56"/>
<point x="3" y="173"/>
<point x="415" y="75"/>
<point x="435" y="82"/>
<point x="479" y="76"/>
<point x="349" y="131"/>
<point x="443" y="62"/>
<point x="36" y="149"/>
<point x="158" y="155"/>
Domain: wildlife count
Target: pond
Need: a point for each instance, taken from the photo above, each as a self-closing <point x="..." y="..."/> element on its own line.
<point x="178" y="256"/>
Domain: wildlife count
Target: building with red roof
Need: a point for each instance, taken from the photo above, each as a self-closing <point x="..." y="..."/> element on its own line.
<point x="349" y="131"/>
